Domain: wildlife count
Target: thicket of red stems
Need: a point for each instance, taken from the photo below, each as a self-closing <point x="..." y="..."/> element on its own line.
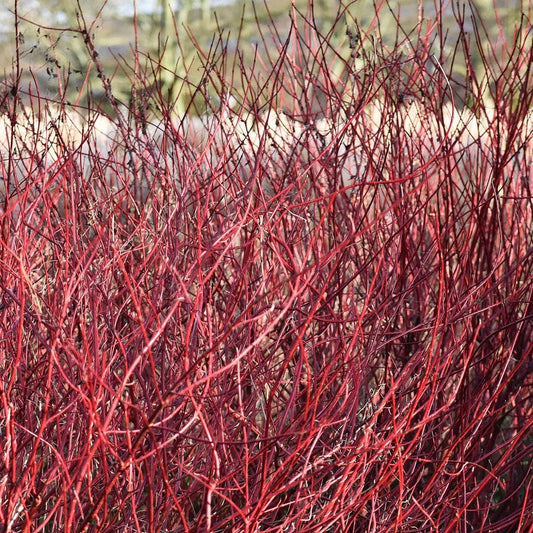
<point x="320" y="324"/>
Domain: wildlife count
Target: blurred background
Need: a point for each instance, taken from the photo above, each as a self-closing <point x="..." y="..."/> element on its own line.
<point x="164" y="36"/>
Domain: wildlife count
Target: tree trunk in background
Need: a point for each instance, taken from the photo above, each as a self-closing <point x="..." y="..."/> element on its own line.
<point x="173" y="64"/>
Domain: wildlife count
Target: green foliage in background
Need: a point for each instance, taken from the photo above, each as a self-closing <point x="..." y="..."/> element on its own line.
<point x="52" y="45"/>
